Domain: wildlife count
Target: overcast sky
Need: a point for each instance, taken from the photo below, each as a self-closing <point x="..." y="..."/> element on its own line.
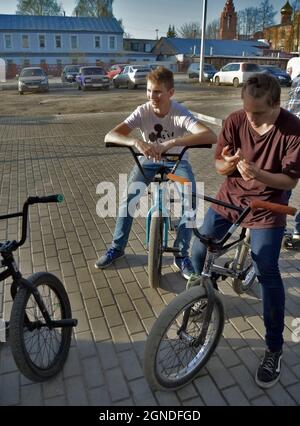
<point x="142" y="17"/>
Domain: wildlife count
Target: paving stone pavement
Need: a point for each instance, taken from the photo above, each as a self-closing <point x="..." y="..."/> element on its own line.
<point x="115" y="307"/>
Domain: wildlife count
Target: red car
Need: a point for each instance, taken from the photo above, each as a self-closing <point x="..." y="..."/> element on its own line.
<point x="115" y="70"/>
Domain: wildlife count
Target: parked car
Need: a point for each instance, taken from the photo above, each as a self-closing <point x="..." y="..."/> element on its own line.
<point x="32" y="79"/>
<point x="92" y="77"/>
<point x="235" y="73"/>
<point x="69" y="73"/>
<point x="132" y="76"/>
<point x="115" y="70"/>
<point x="208" y="71"/>
<point x="283" y="77"/>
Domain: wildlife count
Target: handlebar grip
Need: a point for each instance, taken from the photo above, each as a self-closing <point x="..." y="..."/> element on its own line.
<point x="115" y="145"/>
<point x="58" y="198"/>
<point x="273" y="207"/>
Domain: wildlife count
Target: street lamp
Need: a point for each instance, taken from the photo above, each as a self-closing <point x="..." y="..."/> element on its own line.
<point x="202" y="47"/>
<point x="156" y="34"/>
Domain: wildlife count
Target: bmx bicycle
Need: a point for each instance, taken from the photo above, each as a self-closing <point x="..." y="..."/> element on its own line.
<point x="158" y="221"/>
<point x="40" y="325"/>
<point x="186" y="333"/>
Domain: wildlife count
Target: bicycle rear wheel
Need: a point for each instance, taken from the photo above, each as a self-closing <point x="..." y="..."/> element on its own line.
<point x="244" y="263"/>
<point x="155" y="252"/>
<point x="40" y="352"/>
<point x="170" y="359"/>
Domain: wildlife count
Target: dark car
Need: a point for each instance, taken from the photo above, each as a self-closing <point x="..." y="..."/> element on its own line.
<point x="208" y="71"/>
<point x="69" y="73"/>
<point x="92" y="77"/>
<point x="33" y="79"/>
<point x="283" y="77"/>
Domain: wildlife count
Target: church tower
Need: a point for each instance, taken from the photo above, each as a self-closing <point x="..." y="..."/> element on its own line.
<point x="286" y="14"/>
<point x="228" y="22"/>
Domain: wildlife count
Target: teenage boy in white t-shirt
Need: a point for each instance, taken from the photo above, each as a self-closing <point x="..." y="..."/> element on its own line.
<point x="165" y="126"/>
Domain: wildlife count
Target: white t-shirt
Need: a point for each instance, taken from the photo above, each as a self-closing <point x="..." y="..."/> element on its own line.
<point x="294" y="63"/>
<point x="178" y="122"/>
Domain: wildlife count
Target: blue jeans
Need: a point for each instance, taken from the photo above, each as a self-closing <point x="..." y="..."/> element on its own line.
<point x="297" y="217"/>
<point x="265" y="250"/>
<point x="124" y="220"/>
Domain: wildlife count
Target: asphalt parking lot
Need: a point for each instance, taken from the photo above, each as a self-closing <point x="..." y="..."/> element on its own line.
<point x="204" y="98"/>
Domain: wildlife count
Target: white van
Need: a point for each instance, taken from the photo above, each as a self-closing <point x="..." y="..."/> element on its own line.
<point x="293" y="67"/>
<point x="236" y="73"/>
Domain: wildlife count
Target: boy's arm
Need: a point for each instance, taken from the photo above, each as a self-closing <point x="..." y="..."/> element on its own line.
<point x="121" y="135"/>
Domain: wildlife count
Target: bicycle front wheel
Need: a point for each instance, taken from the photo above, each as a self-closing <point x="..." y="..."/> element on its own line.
<point x="171" y="360"/>
<point x="40" y="352"/>
<point x="155" y="252"/>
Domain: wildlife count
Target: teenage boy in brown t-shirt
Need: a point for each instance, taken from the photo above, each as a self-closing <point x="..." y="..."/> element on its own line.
<point x="259" y="152"/>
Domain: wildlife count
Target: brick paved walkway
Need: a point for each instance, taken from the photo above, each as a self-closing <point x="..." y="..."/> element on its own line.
<point x="115" y="307"/>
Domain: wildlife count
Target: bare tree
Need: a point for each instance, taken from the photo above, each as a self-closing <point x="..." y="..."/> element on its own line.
<point x="93" y="8"/>
<point x="39" y="7"/>
<point x="189" y="30"/>
<point x="213" y="30"/>
<point x="266" y="14"/>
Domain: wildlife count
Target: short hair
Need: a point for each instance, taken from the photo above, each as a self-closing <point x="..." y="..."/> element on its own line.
<point x="162" y="75"/>
<point x="263" y="84"/>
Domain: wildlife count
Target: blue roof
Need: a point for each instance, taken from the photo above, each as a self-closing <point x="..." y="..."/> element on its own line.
<point x="217" y="47"/>
<point x="58" y="23"/>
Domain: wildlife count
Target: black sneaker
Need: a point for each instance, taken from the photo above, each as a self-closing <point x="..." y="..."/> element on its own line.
<point x="268" y="372"/>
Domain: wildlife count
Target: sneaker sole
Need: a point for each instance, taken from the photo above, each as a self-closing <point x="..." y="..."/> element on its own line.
<point x="181" y="273"/>
<point x="265" y="385"/>
<point x="106" y="266"/>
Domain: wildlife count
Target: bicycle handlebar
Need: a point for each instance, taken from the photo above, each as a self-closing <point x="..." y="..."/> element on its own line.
<point x="273" y="207"/>
<point x="58" y="198"/>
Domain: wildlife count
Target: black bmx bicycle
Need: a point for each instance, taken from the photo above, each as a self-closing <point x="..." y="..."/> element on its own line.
<point x="187" y="331"/>
<point x="40" y="325"/>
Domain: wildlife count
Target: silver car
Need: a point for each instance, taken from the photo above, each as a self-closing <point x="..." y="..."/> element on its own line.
<point x="33" y="79"/>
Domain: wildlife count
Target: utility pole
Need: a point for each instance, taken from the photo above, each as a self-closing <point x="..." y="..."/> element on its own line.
<point x="202" y="47"/>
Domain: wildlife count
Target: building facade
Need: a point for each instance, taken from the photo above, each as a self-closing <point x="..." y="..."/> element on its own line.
<point x="54" y="41"/>
<point x="286" y="35"/>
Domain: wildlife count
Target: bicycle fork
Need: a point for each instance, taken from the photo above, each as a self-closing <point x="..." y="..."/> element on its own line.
<point x="210" y="292"/>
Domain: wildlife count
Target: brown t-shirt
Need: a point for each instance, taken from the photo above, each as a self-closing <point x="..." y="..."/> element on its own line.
<point x="277" y="151"/>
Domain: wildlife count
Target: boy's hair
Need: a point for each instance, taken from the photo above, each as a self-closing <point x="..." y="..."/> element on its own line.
<point x="263" y="84"/>
<point x="162" y="75"/>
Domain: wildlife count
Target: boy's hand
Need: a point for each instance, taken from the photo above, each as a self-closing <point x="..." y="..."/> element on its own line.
<point x="147" y="149"/>
<point x="247" y="170"/>
<point x="231" y="159"/>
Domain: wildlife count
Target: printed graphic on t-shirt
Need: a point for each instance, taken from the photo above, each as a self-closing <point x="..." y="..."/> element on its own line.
<point x="160" y="135"/>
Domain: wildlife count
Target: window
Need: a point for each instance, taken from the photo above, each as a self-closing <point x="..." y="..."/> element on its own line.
<point x="42" y="43"/>
<point x="135" y="46"/>
<point x="97" y="42"/>
<point x="26" y="63"/>
<point x="58" y="42"/>
<point x="7" y="41"/>
<point x="74" y="42"/>
<point x="112" y="42"/>
<point x="25" y="41"/>
<point x="147" y="47"/>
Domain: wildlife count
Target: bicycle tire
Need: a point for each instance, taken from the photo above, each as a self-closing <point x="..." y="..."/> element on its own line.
<point x="33" y="366"/>
<point x="238" y="285"/>
<point x="160" y="376"/>
<point x="155" y="251"/>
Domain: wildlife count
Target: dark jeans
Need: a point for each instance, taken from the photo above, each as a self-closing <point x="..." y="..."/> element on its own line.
<point x="265" y="250"/>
